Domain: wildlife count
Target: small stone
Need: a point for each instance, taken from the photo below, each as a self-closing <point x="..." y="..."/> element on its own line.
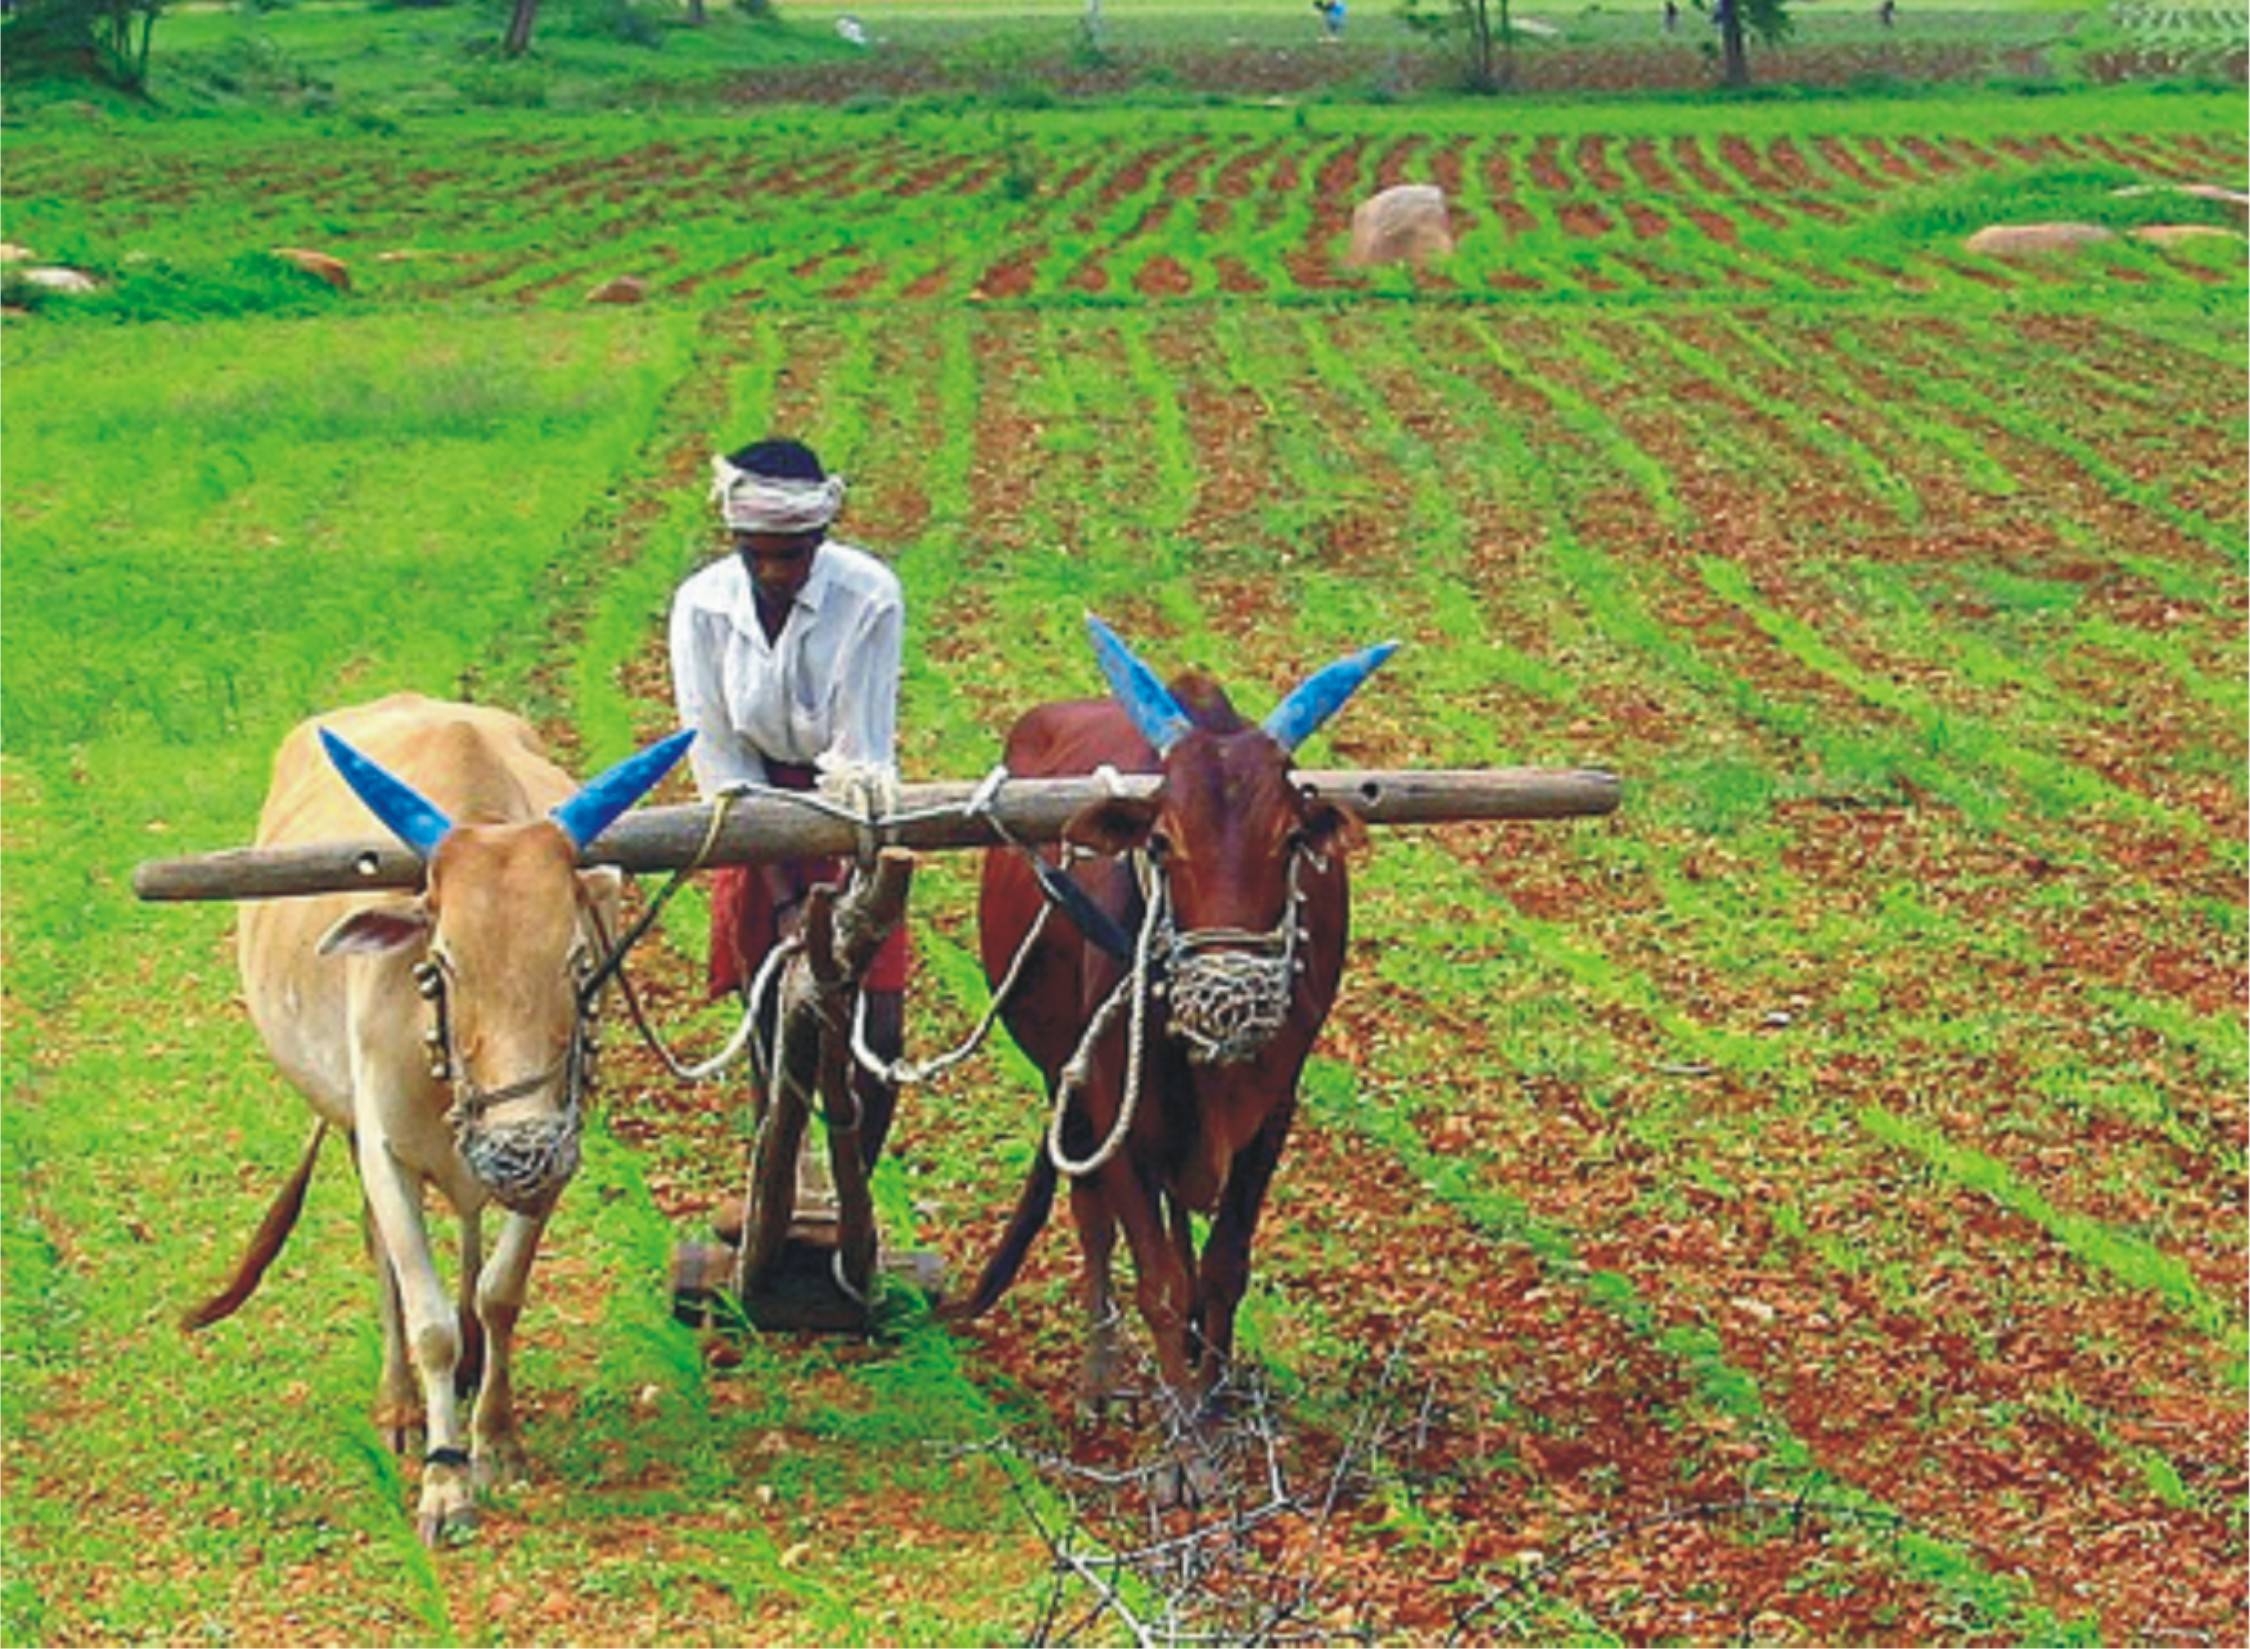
<point x="621" y="289"/>
<point x="55" y="278"/>
<point x="2031" y="240"/>
<point x="2181" y="234"/>
<point x="318" y="264"/>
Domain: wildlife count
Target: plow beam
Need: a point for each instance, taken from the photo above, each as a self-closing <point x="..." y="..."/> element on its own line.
<point x="929" y="818"/>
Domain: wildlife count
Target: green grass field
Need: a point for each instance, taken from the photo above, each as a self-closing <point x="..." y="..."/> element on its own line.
<point x="1856" y="1117"/>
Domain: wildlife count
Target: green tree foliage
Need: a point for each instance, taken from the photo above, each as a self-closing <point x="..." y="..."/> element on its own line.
<point x="1480" y="33"/>
<point x="104" y="39"/>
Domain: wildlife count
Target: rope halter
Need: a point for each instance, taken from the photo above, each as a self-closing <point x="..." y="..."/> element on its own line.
<point x="522" y="1163"/>
<point x="1231" y="989"/>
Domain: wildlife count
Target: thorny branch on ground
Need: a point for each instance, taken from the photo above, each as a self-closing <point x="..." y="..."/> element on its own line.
<point x="1250" y="1563"/>
<point x="1242" y="1563"/>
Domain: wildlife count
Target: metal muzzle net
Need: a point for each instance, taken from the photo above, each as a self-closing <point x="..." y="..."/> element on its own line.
<point x="1231" y="989"/>
<point x="523" y="1164"/>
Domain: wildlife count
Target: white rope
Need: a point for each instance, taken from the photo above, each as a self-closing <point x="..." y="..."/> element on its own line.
<point x="1074" y="1073"/>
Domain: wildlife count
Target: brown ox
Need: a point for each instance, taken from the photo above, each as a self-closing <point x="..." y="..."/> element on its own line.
<point x="448" y="1034"/>
<point x="1246" y="877"/>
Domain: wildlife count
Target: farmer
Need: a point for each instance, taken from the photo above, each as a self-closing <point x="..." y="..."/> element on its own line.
<point x="785" y="660"/>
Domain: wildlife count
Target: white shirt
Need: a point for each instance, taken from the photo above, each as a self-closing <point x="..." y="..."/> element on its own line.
<point x="829" y="684"/>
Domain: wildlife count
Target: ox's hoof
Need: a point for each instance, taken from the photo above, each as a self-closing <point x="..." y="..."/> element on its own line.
<point x="403" y="1432"/>
<point x="449" y="1510"/>
<point x="448" y="1524"/>
<point x="501" y="1463"/>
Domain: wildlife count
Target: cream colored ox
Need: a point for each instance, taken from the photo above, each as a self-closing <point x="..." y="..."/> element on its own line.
<point x="447" y="1033"/>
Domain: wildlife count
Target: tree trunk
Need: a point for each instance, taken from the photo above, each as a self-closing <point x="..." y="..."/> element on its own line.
<point x="1737" y="59"/>
<point x="520" y="19"/>
<point x="696" y="15"/>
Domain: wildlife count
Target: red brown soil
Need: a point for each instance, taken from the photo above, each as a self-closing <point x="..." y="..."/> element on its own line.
<point x="1234" y="275"/>
<point x="1938" y="161"/>
<point x="1649" y="167"/>
<point x="1647" y="222"/>
<point x="1889" y="160"/>
<point x="1583" y="219"/>
<point x="1396" y="164"/>
<point x="1720" y="229"/>
<point x="1127" y="180"/>
<point x="1592" y="159"/>
<point x="1840" y="158"/>
<point x="1545" y="166"/>
<point x="1012" y="276"/>
<point x="1743" y="158"/>
<point x="1687" y="154"/>
<point x="1500" y="187"/>
<point x="1789" y="165"/>
<point x="1448" y="168"/>
<point x="1162" y="277"/>
<point x="929" y="284"/>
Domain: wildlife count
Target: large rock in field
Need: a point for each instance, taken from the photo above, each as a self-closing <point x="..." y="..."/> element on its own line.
<point x="317" y="264"/>
<point x="621" y="289"/>
<point x="56" y="278"/>
<point x="2034" y="240"/>
<point x="10" y="252"/>
<point x="2234" y="200"/>
<point x="1406" y="224"/>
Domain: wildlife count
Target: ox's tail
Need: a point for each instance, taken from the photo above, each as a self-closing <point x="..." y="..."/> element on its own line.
<point x="1023" y="1225"/>
<point x="273" y="1231"/>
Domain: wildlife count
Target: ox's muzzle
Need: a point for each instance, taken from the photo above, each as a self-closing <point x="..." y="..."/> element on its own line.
<point x="1231" y="990"/>
<point x="1227" y="1004"/>
<point x="524" y="1164"/>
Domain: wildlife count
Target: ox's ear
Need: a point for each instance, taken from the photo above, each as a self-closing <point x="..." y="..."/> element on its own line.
<point x="1326" y="828"/>
<point x="376" y="930"/>
<point x="1117" y="824"/>
<point x="600" y="888"/>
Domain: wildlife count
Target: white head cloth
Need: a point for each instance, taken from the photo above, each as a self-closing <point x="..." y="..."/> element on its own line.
<point x="761" y="503"/>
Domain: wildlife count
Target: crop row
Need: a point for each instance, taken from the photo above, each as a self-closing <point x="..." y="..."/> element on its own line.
<point x="1065" y="214"/>
<point x="1905" y="1235"/>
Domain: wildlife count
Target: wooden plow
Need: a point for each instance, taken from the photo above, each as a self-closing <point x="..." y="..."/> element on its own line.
<point x="818" y="1271"/>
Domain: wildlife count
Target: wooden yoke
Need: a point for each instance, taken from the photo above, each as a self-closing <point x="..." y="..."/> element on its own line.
<point x="819" y="986"/>
<point x="932" y="816"/>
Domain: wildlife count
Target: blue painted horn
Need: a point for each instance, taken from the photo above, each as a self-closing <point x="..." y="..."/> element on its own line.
<point x="413" y="820"/>
<point x="1321" y="694"/>
<point x="1134" y="685"/>
<point x="590" y="812"/>
<point x="404" y="812"/>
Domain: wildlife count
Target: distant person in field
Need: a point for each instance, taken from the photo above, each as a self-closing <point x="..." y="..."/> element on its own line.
<point x="1331" y="18"/>
<point x="785" y="661"/>
<point x="1671" y="16"/>
<point x="1888" y="12"/>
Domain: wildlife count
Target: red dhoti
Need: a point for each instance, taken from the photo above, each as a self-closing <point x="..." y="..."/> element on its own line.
<point x="742" y="913"/>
